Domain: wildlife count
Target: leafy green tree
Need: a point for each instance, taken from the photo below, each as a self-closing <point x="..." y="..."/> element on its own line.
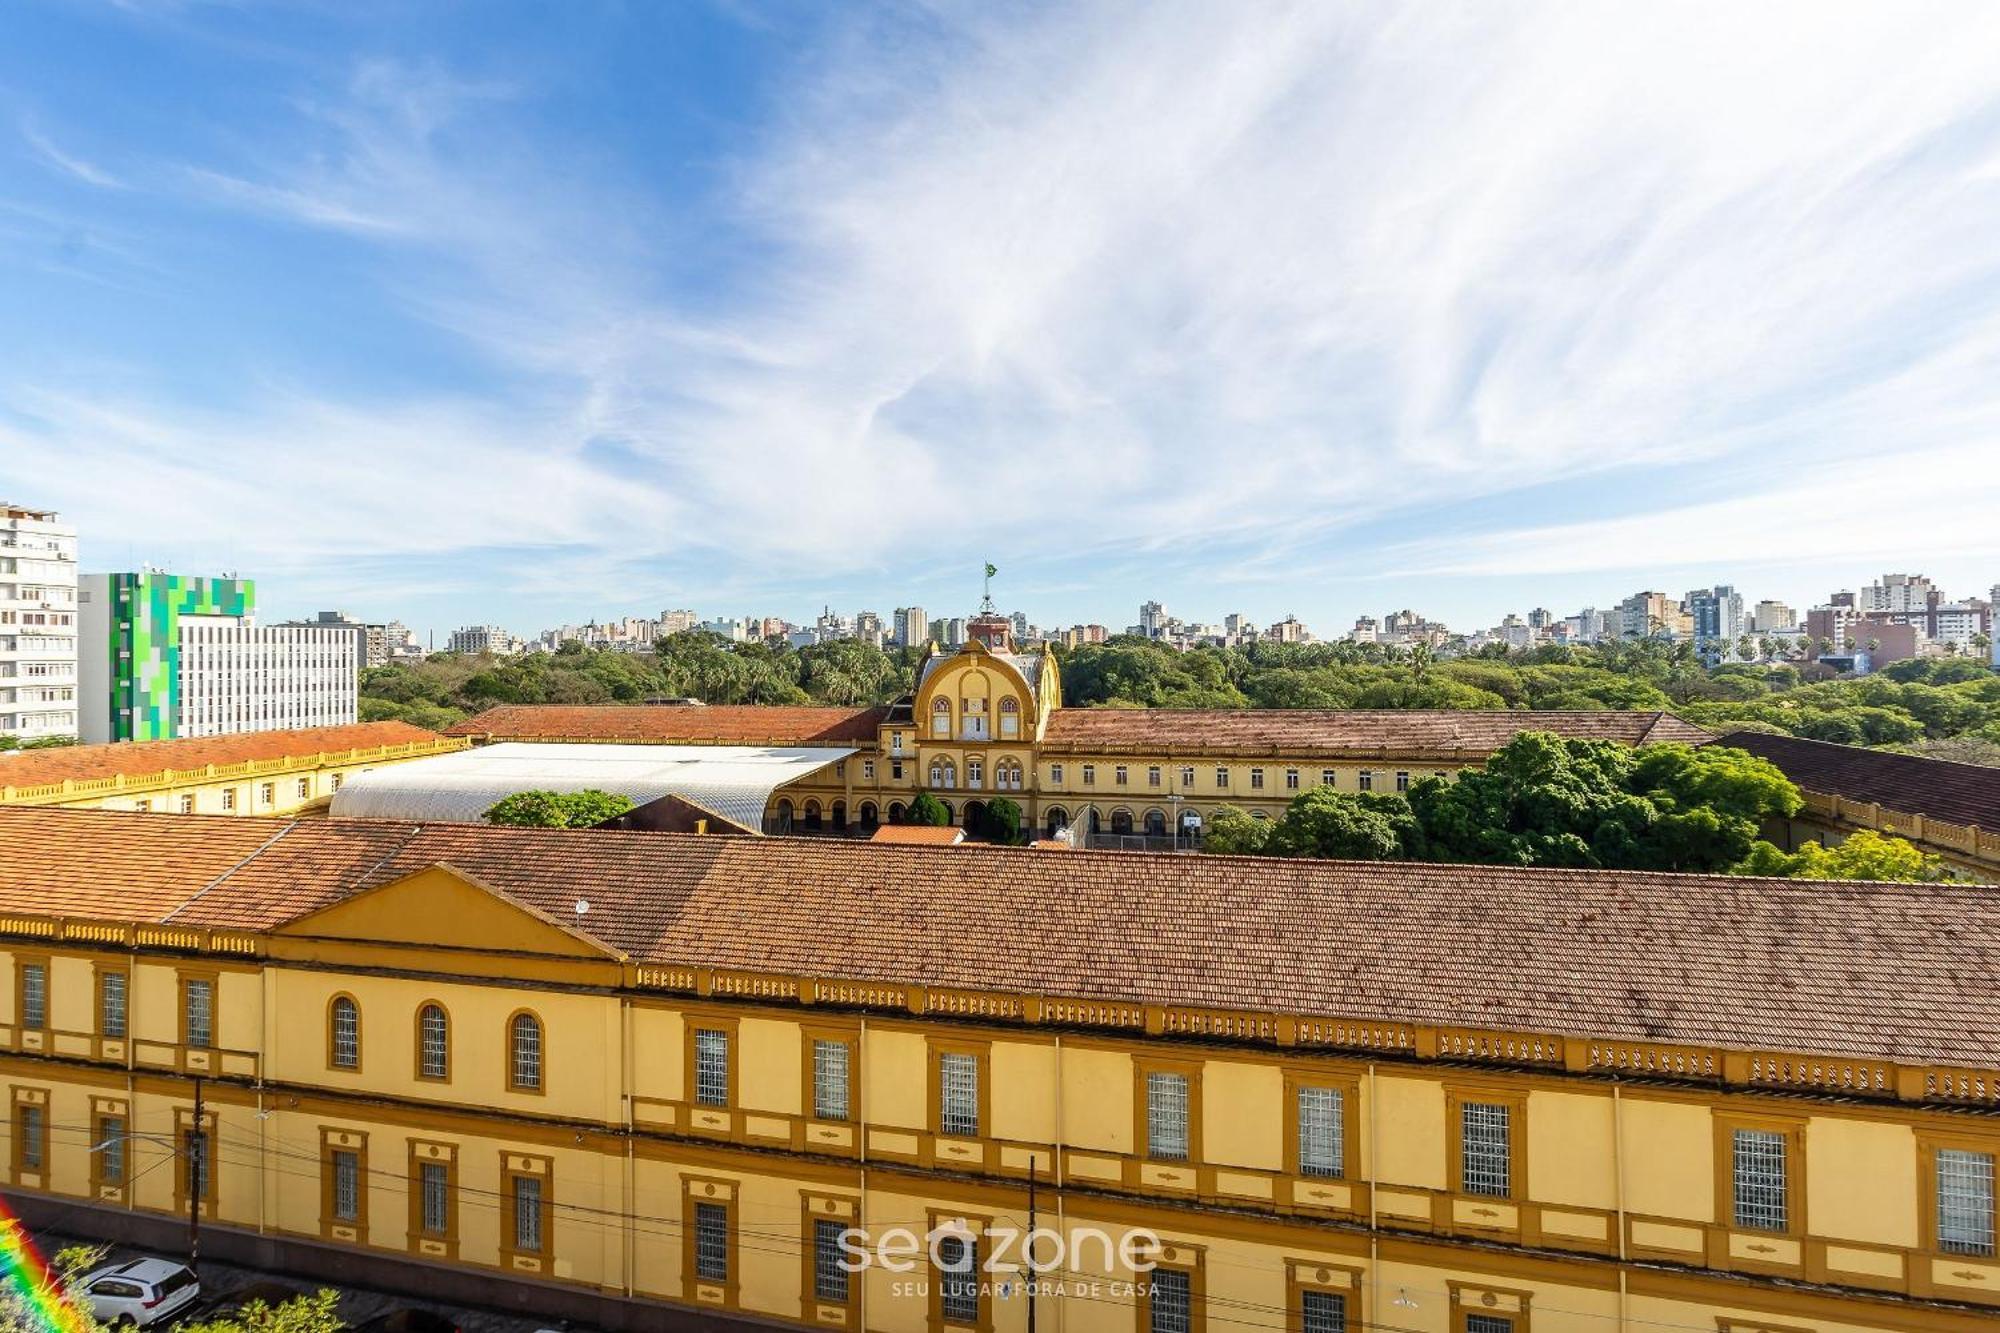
<point x="1326" y="823"/>
<point x="1865" y="855"/>
<point x="317" y="1313"/>
<point x="1003" y="821"/>
<point x="551" y="809"/>
<point x="927" y="809"/>
<point x="1232" y="831"/>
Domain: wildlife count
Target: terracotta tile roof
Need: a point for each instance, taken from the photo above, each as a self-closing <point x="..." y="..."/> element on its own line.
<point x="1885" y="971"/>
<point x="134" y="759"/>
<point x="1325" y="731"/>
<point x="1934" y="788"/>
<point x="922" y="835"/>
<point x="675" y="724"/>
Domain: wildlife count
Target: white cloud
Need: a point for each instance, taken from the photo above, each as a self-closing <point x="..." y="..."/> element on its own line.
<point x="1140" y="278"/>
<point x="87" y="172"/>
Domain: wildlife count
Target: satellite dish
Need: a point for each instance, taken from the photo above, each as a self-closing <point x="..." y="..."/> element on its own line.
<point x="582" y="907"/>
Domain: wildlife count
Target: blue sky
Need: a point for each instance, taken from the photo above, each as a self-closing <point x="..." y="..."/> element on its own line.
<point x="533" y="313"/>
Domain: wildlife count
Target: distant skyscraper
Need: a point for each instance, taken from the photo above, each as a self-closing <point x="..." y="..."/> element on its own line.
<point x="954" y="632"/>
<point x="38" y="662"/>
<point x="1773" y="618"/>
<point x="1152" y="619"/>
<point x="1899" y="592"/>
<point x="912" y="627"/>
<point x="476" y="639"/>
<point x="1717" y="614"/>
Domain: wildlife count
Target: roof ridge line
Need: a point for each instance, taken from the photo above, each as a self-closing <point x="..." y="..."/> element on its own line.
<point x="261" y="848"/>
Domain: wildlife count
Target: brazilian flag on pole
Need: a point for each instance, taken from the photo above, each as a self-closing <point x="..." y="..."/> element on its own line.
<point x="991" y="571"/>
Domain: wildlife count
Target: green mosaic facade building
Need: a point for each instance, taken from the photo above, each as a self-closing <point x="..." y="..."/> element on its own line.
<point x="136" y="617"/>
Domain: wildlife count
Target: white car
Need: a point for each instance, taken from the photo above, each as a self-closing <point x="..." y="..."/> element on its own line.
<point x="141" y="1293"/>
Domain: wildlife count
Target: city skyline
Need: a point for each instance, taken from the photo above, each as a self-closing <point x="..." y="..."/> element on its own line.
<point x="459" y="326"/>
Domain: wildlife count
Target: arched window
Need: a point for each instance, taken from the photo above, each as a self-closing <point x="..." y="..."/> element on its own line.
<point x="1010" y="718"/>
<point x="944" y="773"/>
<point x="896" y="812"/>
<point x="343" y="1049"/>
<point x="524" y="1053"/>
<point x="1156" y="824"/>
<point x="1058" y="820"/>
<point x="840" y="814"/>
<point x="1007" y="775"/>
<point x="433" y="1042"/>
<point x="811" y="822"/>
<point x="870" y="817"/>
<point x="1121" y="821"/>
<point x="782" y="821"/>
<point x="941" y="717"/>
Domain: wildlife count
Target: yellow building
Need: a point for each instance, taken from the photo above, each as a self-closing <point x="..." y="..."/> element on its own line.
<point x="250" y="773"/>
<point x="986" y="722"/>
<point x="628" y="1078"/>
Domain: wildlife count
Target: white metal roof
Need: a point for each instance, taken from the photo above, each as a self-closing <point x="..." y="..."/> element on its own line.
<point x="458" y="788"/>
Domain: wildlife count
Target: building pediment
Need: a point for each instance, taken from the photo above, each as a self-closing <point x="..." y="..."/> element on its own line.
<point x="443" y="907"/>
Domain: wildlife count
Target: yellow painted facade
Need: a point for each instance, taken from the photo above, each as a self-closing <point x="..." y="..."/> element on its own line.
<point x="976" y="730"/>
<point x="271" y="787"/>
<point x="525" y="1102"/>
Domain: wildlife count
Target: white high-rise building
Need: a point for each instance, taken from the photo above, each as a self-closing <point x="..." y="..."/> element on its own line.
<point x="1152" y="619"/>
<point x="477" y="639"/>
<point x="171" y="655"/>
<point x="37" y="624"/>
<point x="1898" y="592"/>
<point x="912" y="627"/>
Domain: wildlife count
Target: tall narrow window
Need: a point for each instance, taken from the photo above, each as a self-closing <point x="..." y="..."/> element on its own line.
<point x="434" y="1186"/>
<point x="1488" y="1323"/>
<point x="1323" y="1312"/>
<point x="1292" y="784"/>
<point x="525" y="1064"/>
<point x="1171" y="1309"/>
<point x="1486" y="1145"/>
<point x="1167" y="1116"/>
<point x="830" y="1079"/>
<point x="198" y="1012"/>
<point x="34" y="996"/>
<point x="344" y="1020"/>
<point x="711" y="1066"/>
<point x="346" y="1186"/>
<point x="1326" y="777"/>
<point x="433" y="1043"/>
<point x="1322" y="1146"/>
<point x="830" y="1275"/>
<point x="528" y="1214"/>
<point x="1367" y="780"/>
<point x="1760" y="1179"/>
<point x="711" y="1242"/>
<point x="31" y="1137"/>
<point x="111" y="1004"/>
<point x="198" y="1153"/>
<point x="958" y="1094"/>
<point x="958" y="1279"/>
<point x="1965" y="1202"/>
<point x="110" y="1150"/>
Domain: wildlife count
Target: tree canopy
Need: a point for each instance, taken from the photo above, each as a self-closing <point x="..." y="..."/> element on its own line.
<point x="557" y="809"/>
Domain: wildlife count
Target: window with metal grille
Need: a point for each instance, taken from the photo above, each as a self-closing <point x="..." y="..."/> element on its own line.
<point x="1153" y="775"/>
<point x="711" y="1066"/>
<point x="1760" y="1179"/>
<point x="1326" y="776"/>
<point x="1171" y="1309"/>
<point x="1402" y="780"/>
<point x="1964" y="1201"/>
<point x="830" y="1080"/>
<point x="34" y="996"/>
<point x="830" y="1279"/>
<point x="346" y="1034"/>
<point x="1256" y="779"/>
<point x="525" y="1068"/>
<point x="1367" y="780"/>
<point x="195" y="1151"/>
<point x="1486" y="1149"/>
<point x="1488" y="1323"/>
<point x="346" y="1186"/>
<point x="958" y="1093"/>
<point x="110" y="1150"/>
<point x="1323" y="1312"/>
<point x="434" y="1187"/>
<point x="111" y="1003"/>
<point x="528" y="1214"/>
<point x="1322" y="1144"/>
<point x="958" y="1279"/>
<point x="711" y="1242"/>
<point x="198" y="1004"/>
<point x="433" y="1043"/>
<point x="1291" y="779"/>
<point x="1167" y="1116"/>
<point x="32" y="1143"/>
